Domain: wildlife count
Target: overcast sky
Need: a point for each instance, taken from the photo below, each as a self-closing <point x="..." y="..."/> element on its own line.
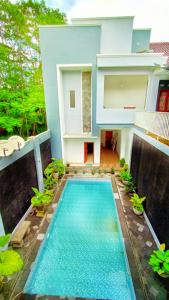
<point x="148" y="13"/>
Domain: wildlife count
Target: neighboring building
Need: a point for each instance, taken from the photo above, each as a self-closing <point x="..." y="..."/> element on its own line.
<point x="98" y="76"/>
<point x="163" y="95"/>
<point x="161" y="47"/>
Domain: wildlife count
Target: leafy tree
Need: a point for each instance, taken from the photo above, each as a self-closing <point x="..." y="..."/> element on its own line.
<point x="22" y="108"/>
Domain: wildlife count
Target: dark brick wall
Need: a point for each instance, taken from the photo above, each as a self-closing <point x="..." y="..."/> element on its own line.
<point x="45" y="149"/>
<point x="16" y="182"/>
<point x="150" y="170"/>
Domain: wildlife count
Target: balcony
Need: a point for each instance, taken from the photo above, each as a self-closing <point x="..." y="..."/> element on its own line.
<point x="155" y="123"/>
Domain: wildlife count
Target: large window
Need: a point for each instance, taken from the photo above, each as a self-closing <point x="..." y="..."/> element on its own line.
<point x="125" y="91"/>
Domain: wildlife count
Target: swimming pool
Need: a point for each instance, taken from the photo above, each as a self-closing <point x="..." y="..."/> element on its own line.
<point x="83" y="253"/>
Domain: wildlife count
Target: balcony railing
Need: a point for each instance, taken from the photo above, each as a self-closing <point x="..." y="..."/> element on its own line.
<point x="154" y="122"/>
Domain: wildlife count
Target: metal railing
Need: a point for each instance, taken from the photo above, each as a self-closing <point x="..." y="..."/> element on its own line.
<point x="154" y="122"/>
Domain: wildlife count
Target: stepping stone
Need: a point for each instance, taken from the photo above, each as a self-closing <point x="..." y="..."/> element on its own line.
<point x="149" y="244"/>
<point x="141" y="228"/>
<point x="40" y="236"/>
<point x="35" y="227"/>
<point x="54" y="205"/>
<point x="116" y="195"/>
<point x="154" y="291"/>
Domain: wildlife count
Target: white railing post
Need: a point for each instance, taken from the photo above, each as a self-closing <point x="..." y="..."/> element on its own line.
<point x="38" y="163"/>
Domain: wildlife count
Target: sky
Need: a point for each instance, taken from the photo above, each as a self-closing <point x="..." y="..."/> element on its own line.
<point x="148" y="13"/>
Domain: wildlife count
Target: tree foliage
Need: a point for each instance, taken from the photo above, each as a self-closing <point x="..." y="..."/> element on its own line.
<point x="22" y="108"/>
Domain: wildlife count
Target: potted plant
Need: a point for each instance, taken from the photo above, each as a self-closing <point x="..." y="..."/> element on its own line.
<point x="130" y="187"/>
<point x="41" y="200"/>
<point x="159" y="261"/>
<point x="122" y="162"/>
<point x="125" y="176"/>
<point x="10" y="261"/>
<point x="112" y="171"/>
<point x="4" y="241"/>
<point x="137" y="203"/>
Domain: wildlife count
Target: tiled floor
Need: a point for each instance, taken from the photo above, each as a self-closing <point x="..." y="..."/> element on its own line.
<point x="109" y="158"/>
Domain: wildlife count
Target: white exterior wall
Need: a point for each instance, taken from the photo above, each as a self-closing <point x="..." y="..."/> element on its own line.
<point x="74" y="150"/>
<point x="116" y="33"/>
<point x="126" y="144"/>
<point x="71" y="80"/>
<point x="122" y="90"/>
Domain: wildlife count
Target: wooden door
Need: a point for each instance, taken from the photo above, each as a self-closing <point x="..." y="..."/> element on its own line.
<point x="163" y="101"/>
<point x="85" y="152"/>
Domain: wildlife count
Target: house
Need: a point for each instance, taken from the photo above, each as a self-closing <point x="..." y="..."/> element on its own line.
<point x="101" y="81"/>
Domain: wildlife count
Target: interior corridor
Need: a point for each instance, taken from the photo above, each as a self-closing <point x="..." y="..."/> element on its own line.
<point x="108" y="152"/>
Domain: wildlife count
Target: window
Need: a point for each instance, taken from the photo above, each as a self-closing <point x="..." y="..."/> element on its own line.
<point x="72" y="99"/>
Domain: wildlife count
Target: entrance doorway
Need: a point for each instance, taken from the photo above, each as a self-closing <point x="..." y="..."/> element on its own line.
<point x="110" y="144"/>
<point x="88" y="152"/>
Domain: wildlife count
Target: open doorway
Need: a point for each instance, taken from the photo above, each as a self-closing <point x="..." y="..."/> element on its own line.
<point x="110" y="147"/>
<point x="88" y="152"/>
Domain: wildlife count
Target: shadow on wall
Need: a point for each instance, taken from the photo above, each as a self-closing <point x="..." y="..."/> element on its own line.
<point x="150" y="170"/>
<point x="16" y="182"/>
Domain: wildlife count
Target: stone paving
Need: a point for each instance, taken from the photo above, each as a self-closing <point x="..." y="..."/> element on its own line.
<point x="138" y="242"/>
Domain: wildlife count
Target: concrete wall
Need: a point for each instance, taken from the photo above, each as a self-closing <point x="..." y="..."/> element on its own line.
<point x="116" y="33"/>
<point x="66" y="45"/>
<point x="74" y="150"/>
<point x="71" y="80"/>
<point x="125" y="90"/>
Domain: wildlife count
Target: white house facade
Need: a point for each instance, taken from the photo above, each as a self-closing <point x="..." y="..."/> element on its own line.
<point x="101" y="86"/>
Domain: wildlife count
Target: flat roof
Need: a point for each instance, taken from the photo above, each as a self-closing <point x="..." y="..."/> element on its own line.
<point x="102" y="18"/>
<point x="70" y="25"/>
<point x="142" y="28"/>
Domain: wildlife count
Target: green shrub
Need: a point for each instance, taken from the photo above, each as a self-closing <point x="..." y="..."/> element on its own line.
<point x="125" y="175"/>
<point x="93" y="171"/>
<point x="50" y="182"/>
<point x="40" y="198"/>
<point x="56" y="166"/>
<point x="122" y="162"/>
<point x="10" y="263"/>
<point x="4" y="239"/>
<point x="125" y="167"/>
<point x="137" y="202"/>
<point x="130" y="187"/>
<point x="159" y="261"/>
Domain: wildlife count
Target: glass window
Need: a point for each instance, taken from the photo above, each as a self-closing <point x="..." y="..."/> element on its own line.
<point x="72" y="99"/>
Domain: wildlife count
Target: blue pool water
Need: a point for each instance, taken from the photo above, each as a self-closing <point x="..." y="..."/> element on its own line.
<point x="83" y="253"/>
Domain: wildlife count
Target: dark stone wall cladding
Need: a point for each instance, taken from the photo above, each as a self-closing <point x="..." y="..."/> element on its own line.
<point x="45" y="149"/>
<point x="150" y="170"/>
<point x="16" y="182"/>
